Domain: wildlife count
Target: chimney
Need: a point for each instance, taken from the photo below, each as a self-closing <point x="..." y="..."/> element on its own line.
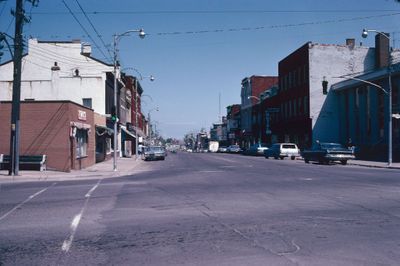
<point x="86" y="49"/>
<point x="351" y="42"/>
<point x="381" y="50"/>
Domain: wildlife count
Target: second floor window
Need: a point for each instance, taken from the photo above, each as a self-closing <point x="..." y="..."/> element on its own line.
<point x="87" y="102"/>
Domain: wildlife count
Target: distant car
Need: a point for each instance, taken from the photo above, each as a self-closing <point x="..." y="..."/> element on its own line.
<point x="328" y="152"/>
<point x="256" y="150"/>
<point x="222" y="149"/>
<point x="234" y="149"/>
<point x="152" y="153"/>
<point x="282" y="150"/>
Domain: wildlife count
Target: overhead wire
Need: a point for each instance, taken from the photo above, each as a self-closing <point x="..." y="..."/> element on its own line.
<point x="77" y="20"/>
<point x="173" y="12"/>
<point x="95" y="30"/>
<point x="277" y="26"/>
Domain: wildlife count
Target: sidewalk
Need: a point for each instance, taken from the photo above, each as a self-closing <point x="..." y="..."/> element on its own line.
<point x="374" y="164"/>
<point x="125" y="166"/>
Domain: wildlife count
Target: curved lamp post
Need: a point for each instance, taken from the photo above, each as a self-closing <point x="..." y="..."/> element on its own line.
<point x="388" y="93"/>
<point x="151" y="78"/>
<point x="140" y="77"/>
<point x="117" y="38"/>
<point x="255" y="97"/>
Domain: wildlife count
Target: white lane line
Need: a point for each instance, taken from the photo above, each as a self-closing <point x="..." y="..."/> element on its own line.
<point x="25" y="201"/>
<point x="210" y="171"/>
<point x="66" y="246"/>
<point x="74" y="225"/>
<point x="224" y="159"/>
<point x="92" y="189"/>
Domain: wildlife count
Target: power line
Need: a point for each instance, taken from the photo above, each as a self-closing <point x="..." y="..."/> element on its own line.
<point x="277" y="26"/>
<point x="80" y="24"/>
<point x="94" y="28"/>
<point x="174" y="12"/>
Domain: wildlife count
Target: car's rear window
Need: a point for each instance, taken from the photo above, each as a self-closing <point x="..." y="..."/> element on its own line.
<point x="288" y="146"/>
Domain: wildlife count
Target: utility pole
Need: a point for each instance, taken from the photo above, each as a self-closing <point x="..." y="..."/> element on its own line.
<point x="16" y="96"/>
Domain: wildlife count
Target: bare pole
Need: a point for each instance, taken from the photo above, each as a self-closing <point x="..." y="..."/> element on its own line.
<point x="136" y="118"/>
<point x="142" y="34"/>
<point x="16" y="97"/>
<point x="115" y="104"/>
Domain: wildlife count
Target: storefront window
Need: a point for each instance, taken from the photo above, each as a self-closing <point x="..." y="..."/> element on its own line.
<point x="108" y="145"/>
<point x="81" y="143"/>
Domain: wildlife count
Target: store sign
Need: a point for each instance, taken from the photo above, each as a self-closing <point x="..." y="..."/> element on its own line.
<point x="81" y="115"/>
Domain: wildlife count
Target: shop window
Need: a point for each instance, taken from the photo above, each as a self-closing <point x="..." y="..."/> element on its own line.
<point x="81" y="143"/>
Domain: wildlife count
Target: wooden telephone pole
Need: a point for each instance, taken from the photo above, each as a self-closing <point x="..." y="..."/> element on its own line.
<point x="20" y="19"/>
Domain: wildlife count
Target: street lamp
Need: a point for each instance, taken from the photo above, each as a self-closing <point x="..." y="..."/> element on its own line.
<point x="151" y="78"/>
<point x="117" y="37"/>
<point x="140" y="77"/>
<point x="255" y="97"/>
<point x="389" y="93"/>
<point x="148" y="116"/>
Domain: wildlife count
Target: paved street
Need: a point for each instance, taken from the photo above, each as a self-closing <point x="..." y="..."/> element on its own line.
<point x="206" y="209"/>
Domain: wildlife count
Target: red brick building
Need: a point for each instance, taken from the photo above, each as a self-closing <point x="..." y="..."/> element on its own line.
<point x="252" y="87"/>
<point x="62" y="130"/>
<point x="294" y="123"/>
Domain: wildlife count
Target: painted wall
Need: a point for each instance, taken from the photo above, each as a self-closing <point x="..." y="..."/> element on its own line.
<point x="332" y="61"/>
<point x="75" y="76"/>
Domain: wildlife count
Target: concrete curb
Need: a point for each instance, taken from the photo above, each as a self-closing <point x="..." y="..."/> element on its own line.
<point x="98" y="171"/>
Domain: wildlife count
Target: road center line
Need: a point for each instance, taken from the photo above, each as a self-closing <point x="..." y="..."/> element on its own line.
<point x="224" y="159"/>
<point x="25" y="201"/>
<point x="92" y="189"/>
<point x="76" y="220"/>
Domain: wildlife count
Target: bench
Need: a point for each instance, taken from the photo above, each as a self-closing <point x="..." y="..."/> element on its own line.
<point x="26" y="162"/>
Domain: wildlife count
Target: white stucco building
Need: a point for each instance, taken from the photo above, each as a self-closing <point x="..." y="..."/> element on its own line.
<point x="59" y="71"/>
<point x="65" y="71"/>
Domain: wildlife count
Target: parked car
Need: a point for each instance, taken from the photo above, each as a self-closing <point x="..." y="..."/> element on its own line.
<point x="328" y="152"/>
<point x="222" y="149"/>
<point x="213" y="146"/>
<point x="256" y="150"/>
<point x="282" y="150"/>
<point x="234" y="149"/>
<point x="151" y="153"/>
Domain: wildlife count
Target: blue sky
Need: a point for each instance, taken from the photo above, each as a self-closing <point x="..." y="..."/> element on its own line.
<point x="198" y="50"/>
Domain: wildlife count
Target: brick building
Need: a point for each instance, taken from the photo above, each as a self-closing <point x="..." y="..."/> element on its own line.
<point x="62" y="130"/>
<point x="308" y="110"/>
<point x="251" y="89"/>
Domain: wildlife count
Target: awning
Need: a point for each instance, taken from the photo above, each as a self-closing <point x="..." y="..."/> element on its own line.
<point x="80" y="125"/>
<point x="126" y="134"/>
<point x="102" y="130"/>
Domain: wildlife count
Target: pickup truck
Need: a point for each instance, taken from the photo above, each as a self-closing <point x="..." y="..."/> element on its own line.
<point x="328" y="152"/>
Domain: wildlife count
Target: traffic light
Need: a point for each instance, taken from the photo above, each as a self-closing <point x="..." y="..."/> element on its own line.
<point x="114" y="114"/>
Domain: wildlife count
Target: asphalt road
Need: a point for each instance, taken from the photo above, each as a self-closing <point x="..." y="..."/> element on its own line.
<point x="207" y="209"/>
